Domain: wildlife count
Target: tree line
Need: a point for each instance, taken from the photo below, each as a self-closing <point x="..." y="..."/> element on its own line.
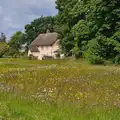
<point x="88" y="29"/>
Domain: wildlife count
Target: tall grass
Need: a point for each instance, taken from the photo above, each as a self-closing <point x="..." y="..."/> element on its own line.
<point x="58" y="90"/>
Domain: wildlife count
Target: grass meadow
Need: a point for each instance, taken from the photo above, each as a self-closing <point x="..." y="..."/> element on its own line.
<point x="58" y="90"/>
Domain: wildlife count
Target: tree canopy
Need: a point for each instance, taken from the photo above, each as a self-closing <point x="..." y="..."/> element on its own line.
<point x="38" y="26"/>
<point x="3" y="48"/>
<point x="15" y="41"/>
<point x="90" y="22"/>
<point x="87" y="28"/>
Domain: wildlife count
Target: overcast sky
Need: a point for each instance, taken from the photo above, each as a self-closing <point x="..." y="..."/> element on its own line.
<point x="14" y="14"/>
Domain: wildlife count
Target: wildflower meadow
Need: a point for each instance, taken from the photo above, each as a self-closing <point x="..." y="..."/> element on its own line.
<point x="58" y="90"/>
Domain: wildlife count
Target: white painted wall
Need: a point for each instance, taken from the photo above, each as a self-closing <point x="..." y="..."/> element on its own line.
<point x="45" y="50"/>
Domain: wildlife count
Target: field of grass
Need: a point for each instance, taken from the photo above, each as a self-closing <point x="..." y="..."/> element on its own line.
<point x="58" y="90"/>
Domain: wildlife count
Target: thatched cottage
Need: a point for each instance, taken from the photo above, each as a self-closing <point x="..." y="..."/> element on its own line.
<point x="45" y="45"/>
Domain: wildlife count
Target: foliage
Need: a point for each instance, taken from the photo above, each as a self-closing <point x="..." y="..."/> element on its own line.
<point x="76" y="52"/>
<point x="117" y="59"/>
<point x="31" y="57"/>
<point x="64" y="34"/>
<point x="3" y="48"/>
<point x="89" y="20"/>
<point x="94" y="53"/>
<point x="15" y="44"/>
<point x="40" y="25"/>
<point x="12" y="53"/>
<point x="15" y="41"/>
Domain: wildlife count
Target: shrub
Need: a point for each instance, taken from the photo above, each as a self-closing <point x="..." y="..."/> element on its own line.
<point x="94" y="52"/>
<point x="76" y="52"/>
<point x="3" y="48"/>
<point x="117" y="59"/>
<point x="31" y="57"/>
<point x="95" y="59"/>
<point x="12" y="53"/>
<point x="58" y="55"/>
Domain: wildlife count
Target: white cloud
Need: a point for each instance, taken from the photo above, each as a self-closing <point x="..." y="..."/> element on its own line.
<point x="14" y="14"/>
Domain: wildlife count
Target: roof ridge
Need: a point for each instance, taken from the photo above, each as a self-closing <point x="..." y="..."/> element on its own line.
<point x="45" y="39"/>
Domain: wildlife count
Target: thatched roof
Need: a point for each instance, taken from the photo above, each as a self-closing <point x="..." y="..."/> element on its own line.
<point x="34" y="49"/>
<point x="45" y="39"/>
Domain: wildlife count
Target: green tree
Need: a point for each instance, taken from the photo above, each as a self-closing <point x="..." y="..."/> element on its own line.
<point x="90" y="20"/>
<point x="15" y="44"/>
<point x="95" y="51"/>
<point x="36" y="27"/>
<point x="3" y="48"/>
<point x="69" y="14"/>
<point x="15" y="41"/>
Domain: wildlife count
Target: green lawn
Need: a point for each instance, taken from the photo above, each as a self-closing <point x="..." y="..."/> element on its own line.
<point x="58" y="90"/>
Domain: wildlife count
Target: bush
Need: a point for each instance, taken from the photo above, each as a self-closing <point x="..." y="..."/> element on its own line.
<point x="76" y="52"/>
<point x="94" y="53"/>
<point x="31" y="57"/>
<point x="58" y="55"/>
<point x="117" y="59"/>
<point x="3" y="48"/>
<point x="95" y="59"/>
<point x="12" y="53"/>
